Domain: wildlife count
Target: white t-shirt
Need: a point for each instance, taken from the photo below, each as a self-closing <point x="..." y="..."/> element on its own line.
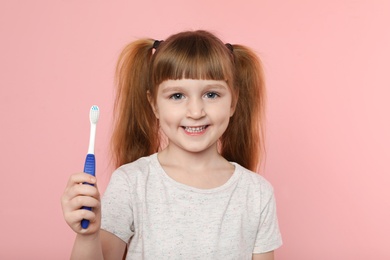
<point x="160" y="218"/>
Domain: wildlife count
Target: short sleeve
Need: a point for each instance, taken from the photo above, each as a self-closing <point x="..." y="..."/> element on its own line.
<point x="268" y="235"/>
<point x="117" y="213"/>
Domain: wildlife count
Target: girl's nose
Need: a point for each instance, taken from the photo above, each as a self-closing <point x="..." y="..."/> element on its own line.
<point x="195" y="109"/>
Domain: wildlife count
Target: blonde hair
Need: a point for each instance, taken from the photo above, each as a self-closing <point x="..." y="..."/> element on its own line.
<point x="191" y="55"/>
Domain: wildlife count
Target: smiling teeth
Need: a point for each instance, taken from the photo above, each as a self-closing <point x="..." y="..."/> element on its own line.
<point x="195" y="129"/>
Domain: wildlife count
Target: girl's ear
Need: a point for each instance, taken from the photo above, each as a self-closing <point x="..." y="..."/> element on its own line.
<point x="234" y="105"/>
<point x="152" y="104"/>
<point x="232" y="110"/>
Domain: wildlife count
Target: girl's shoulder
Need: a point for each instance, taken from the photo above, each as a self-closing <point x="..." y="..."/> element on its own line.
<point x="139" y="164"/>
<point x="253" y="179"/>
<point x="140" y="168"/>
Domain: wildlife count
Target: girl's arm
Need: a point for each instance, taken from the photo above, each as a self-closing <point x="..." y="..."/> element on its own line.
<point x="113" y="247"/>
<point x="91" y="243"/>
<point x="87" y="247"/>
<point x="102" y="245"/>
<point x="264" y="256"/>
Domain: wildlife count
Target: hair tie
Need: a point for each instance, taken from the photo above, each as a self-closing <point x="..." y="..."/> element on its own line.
<point x="229" y="46"/>
<point x="156" y="44"/>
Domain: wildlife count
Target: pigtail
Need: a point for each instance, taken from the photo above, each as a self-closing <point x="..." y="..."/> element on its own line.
<point x="243" y="141"/>
<point x="135" y="132"/>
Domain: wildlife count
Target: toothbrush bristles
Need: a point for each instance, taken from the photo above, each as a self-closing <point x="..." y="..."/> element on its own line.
<point x="94" y="114"/>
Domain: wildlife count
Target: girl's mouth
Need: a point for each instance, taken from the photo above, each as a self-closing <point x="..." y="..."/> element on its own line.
<point x="196" y="129"/>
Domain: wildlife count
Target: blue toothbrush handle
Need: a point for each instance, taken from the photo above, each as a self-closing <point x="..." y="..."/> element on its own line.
<point x="89" y="167"/>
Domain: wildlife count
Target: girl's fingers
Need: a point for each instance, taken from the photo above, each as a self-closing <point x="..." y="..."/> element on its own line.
<point x="74" y="219"/>
<point x="88" y="197"/>
<point x="77" y="185"/>
<point x="79" y="193"/>
<point x="80" y="201"/>
<point x="83" y="190"/>
<point x="81" y="178"/>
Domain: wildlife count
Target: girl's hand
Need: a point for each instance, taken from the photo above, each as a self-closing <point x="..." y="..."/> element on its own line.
<point x="75" y="196"/>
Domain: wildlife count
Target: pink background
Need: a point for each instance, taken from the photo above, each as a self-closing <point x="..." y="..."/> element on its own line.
<point x="328" y="133"/>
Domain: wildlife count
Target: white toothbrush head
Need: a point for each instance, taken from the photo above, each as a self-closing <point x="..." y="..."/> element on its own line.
<point x="94" y="114"/>
<point x="93" y="118"/>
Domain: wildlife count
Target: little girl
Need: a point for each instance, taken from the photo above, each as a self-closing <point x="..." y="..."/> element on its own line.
<point x="187" y="141"/>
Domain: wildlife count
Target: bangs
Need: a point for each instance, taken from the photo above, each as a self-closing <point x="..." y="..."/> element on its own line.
<point x="192" y="57"/>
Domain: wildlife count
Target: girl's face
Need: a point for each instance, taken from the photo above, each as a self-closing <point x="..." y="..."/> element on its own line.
<point x="193" y="114"/>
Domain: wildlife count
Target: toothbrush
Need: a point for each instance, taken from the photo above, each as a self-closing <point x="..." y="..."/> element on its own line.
<point x="89" y="166"/>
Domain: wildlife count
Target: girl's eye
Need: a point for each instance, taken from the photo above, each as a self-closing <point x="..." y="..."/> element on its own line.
<point x="177" y="96"/>
<point x="211" y="95"/>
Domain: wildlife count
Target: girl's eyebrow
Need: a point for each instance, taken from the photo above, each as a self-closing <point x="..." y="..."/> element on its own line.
<point x="215" y="86"/>
<point x="172" y="89"/>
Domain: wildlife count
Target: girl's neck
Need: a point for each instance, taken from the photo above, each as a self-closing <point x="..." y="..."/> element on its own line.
<point x="177" y="158"/>
<point x="205" y="170"/>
